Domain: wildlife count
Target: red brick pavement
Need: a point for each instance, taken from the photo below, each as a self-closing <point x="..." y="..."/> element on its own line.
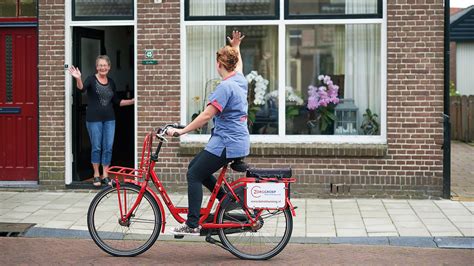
<point x="462" y="171"/>
<point x="49" y="251"/>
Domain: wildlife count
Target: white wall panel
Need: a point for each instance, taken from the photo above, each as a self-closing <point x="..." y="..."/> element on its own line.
<point x="465" y="68"/>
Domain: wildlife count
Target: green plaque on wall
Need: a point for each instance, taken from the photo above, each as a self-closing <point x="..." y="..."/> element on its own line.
<point x="150" y="62"/>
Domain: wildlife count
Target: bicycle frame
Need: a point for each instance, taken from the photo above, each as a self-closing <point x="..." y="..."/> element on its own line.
<point x="147" y="173"/>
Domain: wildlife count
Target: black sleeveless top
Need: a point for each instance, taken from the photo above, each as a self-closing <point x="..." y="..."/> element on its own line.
<point x="100" y="99"/>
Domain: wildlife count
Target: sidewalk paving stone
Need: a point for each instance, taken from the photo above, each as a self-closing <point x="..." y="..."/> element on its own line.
<point x="341" y="218"/>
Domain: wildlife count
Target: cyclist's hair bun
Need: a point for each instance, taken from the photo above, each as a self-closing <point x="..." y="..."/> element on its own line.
<point x="228" y="57"/>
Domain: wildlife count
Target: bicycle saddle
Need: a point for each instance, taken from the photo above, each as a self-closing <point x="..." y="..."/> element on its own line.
<point x="265" y="173"/>
<point x="239" y="165"/>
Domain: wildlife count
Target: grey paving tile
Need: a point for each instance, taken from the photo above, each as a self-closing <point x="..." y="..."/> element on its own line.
<point x="431" y="215"/>
<point x="401" y="211"/>
<point x="371" y="208"/>
<point x="9" y="205"/>
<point x="450" y="242"/>
<point x="404" y="218"/>
<point x="360" y="240"/>
<point x="9" y="220"/>
<point x="412" y="242"/>
<point x="376" y="202"/>
<point x="348" y="218"/>
<point x="69" y="217"/>
<point x="446" y="233"/>
<point x="6" y="195"/>
<point x="382" y="234"/>
<point x="59" y="206"/>
<point x="15" y="215"/>
<point x="320" y="221"/>
<point x="375" y="221"/>
<point x="467" y="231"/>
<point x="349" y="232"/>
<point x="462" y="219"/>
<point x="36" y="219"/>
<point x="372" y="214"/>
<point x="58" y="224"/>
<point x="409" y="224"/>
<point x="418" y="232"/>
<point x="310" y="214"/>
<point x="321" y="234"/>
<point x="380" y="228"/>
<point x="27" y="208"/>
<point x="349" y="225"/>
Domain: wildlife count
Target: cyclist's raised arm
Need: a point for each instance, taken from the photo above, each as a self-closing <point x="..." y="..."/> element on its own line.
<point x="198" y="122"/>
<point x="237" y="38"/>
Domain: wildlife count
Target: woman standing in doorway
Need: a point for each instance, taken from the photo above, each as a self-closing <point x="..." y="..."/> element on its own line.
<point x="100" y="117"/>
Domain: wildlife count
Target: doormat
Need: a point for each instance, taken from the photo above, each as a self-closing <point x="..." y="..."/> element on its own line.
<point x="14" y="229"/>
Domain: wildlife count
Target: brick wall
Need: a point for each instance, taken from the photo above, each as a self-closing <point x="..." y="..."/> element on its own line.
<point x="410" y="165"/>
<point x="51" y="93"/>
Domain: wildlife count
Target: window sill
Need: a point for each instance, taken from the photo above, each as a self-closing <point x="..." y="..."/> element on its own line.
<point x="300" y="150"/>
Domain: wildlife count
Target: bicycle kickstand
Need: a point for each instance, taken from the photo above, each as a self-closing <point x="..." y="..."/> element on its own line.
<point x="216" y="242"/>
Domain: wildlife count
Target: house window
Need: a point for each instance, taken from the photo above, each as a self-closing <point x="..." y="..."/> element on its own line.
<point x="322" y="79"/>
<point x="333" y="8"/>
<point x="102" y="10"/>
<point x="346" y="55"/>
<point x="231" y="9"/>
<point x="18" y="8"/>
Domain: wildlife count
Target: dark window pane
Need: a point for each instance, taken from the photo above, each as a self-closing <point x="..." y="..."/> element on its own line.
<point x="9" y="69"/>
<point x="28" y="8"/>
<point x="244" y="8"/>
<point x="331" y="7"/>
<point x="103" y="9"/>
<point x="8" y="8"/>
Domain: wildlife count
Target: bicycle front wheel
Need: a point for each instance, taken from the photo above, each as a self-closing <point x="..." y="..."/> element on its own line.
<point x="123" y="238"/>
<point x="260" y="242"/>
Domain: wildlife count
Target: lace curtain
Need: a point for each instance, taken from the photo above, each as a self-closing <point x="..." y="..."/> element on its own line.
<point x="362" y="59"/>
<point x="202" y="44"/>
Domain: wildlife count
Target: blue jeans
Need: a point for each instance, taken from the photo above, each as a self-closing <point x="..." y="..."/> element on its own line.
<point x="101" y="135"/>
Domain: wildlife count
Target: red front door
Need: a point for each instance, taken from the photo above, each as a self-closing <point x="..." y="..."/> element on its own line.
<point x="18" y="105"/>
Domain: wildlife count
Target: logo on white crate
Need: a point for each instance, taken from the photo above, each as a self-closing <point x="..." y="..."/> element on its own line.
<point x="265" y="195"/>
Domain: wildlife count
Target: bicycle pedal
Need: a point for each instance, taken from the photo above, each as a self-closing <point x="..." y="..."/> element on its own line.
<point x="178" y="236"/>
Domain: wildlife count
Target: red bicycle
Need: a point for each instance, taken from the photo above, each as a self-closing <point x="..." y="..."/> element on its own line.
<point x="253" y="221"/>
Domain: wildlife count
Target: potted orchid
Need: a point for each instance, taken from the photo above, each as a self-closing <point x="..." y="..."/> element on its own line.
<point x="321" y="102"/>
<point x="292" y="98"/>
<point x="256" y="95"/>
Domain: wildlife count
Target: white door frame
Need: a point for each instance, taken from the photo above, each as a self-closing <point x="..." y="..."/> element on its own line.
<point x="69" y="90"/>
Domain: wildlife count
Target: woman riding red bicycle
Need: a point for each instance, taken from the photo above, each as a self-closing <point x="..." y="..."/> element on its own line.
<point x="230" y="138"/>
<point x="253" y="218"/>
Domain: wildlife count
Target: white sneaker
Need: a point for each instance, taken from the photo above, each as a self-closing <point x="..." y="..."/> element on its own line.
<point x="184" y="229"/>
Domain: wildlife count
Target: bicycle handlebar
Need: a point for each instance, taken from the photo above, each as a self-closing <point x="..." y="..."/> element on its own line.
<point x="161" y="132"/>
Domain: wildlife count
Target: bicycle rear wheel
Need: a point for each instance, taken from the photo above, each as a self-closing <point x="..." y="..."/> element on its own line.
<point x="118" y="238"/>
<point x="268" y="238"/>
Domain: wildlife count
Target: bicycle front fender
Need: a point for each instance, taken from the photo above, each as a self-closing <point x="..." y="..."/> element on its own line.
<point x="291" y="207"/>
<point x="158" y="201"/>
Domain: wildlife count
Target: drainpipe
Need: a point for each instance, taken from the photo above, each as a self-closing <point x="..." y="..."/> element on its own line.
<point x="446" y="122"/>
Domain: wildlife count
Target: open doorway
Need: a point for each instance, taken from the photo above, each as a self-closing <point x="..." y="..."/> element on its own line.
<point x="117" y="43"/>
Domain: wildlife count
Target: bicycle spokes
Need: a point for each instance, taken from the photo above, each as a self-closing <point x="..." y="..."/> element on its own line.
<point x="116" y="234"/>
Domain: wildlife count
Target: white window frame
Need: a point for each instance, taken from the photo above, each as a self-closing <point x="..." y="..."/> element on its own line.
<point x="282" y="23"/>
